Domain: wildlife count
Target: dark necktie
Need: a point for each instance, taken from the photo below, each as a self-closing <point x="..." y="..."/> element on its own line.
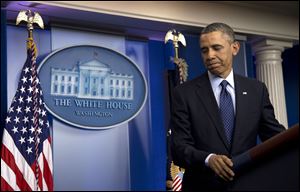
<point x="227" y="111"/>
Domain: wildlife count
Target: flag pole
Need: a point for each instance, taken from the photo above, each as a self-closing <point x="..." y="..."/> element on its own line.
<point x="176" y="37"/>
<point x="32" y="18"/>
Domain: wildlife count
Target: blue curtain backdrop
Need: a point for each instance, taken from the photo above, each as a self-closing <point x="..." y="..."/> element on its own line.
<point x="290" y="67"/>
<point x="3" y="69"/>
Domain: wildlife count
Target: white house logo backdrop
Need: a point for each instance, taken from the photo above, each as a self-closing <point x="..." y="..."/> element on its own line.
<point x="92" y="87"/>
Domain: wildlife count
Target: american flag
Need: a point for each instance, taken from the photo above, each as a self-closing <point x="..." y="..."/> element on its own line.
<point x="26" y="154"/>
<point x="177" y="182"/>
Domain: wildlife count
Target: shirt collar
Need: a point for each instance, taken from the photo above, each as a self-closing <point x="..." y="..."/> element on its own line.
<point x="216" y="80"/>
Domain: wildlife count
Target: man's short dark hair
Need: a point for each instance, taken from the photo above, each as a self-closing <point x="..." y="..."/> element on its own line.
<point x="224" y="28"/>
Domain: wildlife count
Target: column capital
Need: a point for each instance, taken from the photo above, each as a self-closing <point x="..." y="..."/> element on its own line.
<point x="271" y="44"/>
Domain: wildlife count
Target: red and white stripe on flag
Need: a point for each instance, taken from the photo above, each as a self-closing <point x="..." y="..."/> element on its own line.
<point x="177" y="182"/>
<point x="17" y="175"/>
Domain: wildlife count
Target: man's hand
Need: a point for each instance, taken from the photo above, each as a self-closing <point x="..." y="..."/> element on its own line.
<point x="222" y="166"/>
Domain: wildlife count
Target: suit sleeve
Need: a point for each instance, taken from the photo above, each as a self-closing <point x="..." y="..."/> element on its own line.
<point x="184" y="152"/>
<point x="269" y="125"/>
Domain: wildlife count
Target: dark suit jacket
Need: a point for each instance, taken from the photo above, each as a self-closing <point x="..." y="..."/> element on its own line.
<point x="198" y="128"/>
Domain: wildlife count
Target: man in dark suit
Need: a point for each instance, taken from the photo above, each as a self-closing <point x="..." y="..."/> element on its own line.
<point x="214" y="120"/>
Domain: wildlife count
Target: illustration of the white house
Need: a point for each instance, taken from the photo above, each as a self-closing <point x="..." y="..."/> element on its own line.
<point x="92" y="79"/>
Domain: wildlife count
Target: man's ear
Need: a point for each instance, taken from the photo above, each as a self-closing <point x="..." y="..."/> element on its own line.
<point x="235" y="47"/>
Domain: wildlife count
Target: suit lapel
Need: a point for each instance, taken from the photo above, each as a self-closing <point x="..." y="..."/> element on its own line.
<point x="241" y="95"/>
<point x="205" y="92"/>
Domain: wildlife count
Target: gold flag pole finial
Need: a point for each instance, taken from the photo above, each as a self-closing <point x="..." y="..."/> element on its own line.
<point x="30" y="18"/>
<point x="176" y="37"/>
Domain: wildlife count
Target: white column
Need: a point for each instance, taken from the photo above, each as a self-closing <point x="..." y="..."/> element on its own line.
<point x="269" y="70"/>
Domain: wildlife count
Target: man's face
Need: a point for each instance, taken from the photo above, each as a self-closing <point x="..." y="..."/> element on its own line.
<point x="217" y="52"/>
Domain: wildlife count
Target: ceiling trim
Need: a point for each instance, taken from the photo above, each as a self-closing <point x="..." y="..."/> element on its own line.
<point x="196" y="14"/>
